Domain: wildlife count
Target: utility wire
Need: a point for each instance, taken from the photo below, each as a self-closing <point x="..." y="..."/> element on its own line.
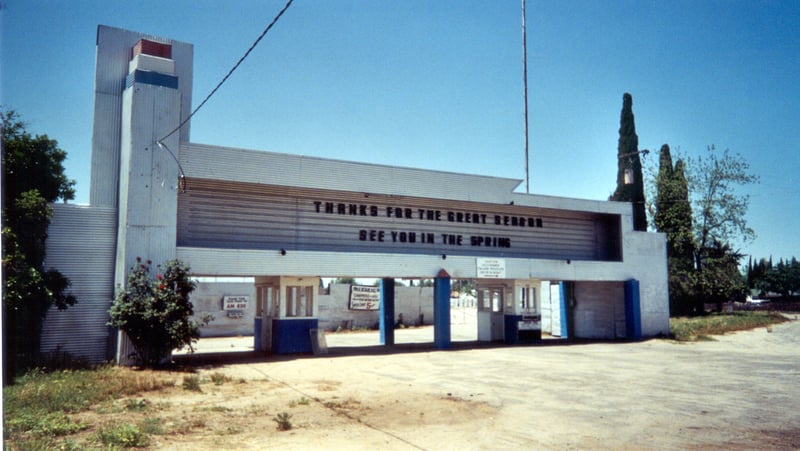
<point x="224" y="79"/>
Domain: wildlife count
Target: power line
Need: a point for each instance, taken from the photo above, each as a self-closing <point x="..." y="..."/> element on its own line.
<point x="225" y="78"/>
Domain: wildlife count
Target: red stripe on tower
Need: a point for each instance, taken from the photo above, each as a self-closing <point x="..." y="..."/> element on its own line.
<point x="152" y="48"/>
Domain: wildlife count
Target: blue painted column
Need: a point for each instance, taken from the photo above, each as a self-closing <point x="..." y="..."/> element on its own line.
<point x="441" y="311"/>
<point x="387" y="312"/>
<point x="564" y="293"/>
<point x="633" y="312"/>
<point x="257" y="345"/>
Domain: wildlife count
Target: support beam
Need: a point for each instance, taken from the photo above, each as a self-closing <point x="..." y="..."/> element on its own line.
<point x="441" y="311"/>
<point x="633" y="313"/>
<point x="566" y="293"/>
<point x="387" y="312"/>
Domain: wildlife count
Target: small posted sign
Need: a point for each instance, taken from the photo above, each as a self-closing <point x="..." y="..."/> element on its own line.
<point x="491" y="268"/>
<point x="365" y="298"/>
<point x="235" y="302"/>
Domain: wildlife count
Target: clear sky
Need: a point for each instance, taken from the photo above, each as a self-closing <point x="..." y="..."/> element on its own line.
<point x="437" y="84"/>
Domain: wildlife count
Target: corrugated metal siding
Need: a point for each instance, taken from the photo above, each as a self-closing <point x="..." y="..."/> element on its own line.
<point x="229" y="215"/>
<point x="113" y="55"/>
<point x="260" y="167"/>
<point x="225" y="163"/>
<point x="599" y="310"/>
<point x="149" y="175"/>
<point x="81" y="245"/>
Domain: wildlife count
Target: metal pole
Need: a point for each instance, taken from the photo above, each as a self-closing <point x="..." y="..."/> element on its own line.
<point x="525" y="95"/>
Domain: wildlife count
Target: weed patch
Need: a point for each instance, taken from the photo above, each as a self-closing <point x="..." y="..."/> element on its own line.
<point x="703" y="327"/>
<point x="219" y="378"/>
<point x="39" y="407"/>
<point x="123" y="435"/>
<point x="191" y="383"/>
<point x="284" y="421"/>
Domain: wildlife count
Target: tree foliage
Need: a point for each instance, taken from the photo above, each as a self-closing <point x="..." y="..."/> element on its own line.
<point x="33" y="177"/>
<point x="155" y="312"/>
<point x="783" y="278"/>
<point x="673" y="216"/>
<point x="628" y="161"/>
<point x="703" y="265"/>
<point x="720" y="211"/>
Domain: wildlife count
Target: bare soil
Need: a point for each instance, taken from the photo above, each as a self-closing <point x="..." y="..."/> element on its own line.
<point x="741" y="391"/>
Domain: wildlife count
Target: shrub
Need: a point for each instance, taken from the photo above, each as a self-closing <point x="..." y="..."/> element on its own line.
<point x="191" y="383"/>
<point x="123" y="435"/>
<point x="155" y="312"/>
<point x="284" y="421"/>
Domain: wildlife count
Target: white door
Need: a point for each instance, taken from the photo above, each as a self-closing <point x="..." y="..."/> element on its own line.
<point x="555" y="309"/>
<point x="490" y="314"/>
<point x="498" y="319"/>
<point x="547" y="313"/>
<point x="267" y="309"/>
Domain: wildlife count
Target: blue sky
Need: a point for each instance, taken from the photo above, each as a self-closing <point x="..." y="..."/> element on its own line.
<point x="437" y="84"/>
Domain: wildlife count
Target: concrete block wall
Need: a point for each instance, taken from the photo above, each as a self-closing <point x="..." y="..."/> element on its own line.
<point x="415" y="304"/>
<point x="207" y="298"/>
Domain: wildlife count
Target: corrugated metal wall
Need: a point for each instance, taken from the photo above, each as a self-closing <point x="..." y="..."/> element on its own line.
<point x="599" y="310"/>
<point x="230" y="215"/>
<point x="81" y="245"/>
<point x="113" y="55"/>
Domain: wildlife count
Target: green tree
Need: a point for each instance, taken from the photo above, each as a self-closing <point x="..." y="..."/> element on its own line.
<point x="33" y="177"/>
<point x="784" y="278"/>
<point x="673" y="216"/>
<point x="630" y="181"/>
<point x="720" y="280"/>
<point x="721" y="218"/>
<point x="720" y="211"/>
<point x="155" y="312"/>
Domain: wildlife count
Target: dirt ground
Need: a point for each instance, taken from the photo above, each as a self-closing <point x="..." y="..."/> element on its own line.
<point x="739" y="392"/>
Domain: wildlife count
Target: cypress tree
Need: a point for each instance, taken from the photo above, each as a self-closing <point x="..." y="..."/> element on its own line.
<point x="673" y="217"/>
<point x="628" y="161"/>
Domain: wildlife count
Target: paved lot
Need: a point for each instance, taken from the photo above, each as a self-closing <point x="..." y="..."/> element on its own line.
<point x="740" y="392"/>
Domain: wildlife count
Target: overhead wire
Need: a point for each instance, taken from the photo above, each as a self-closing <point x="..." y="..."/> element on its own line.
<point x="225" y="78"/>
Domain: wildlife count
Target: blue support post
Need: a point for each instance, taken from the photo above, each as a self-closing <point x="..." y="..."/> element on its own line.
<point x="257" y="341"/>
<point x="564" y="293"/>
<point x="387" y="312"/>
<point x="633" y="312"/>
<point x="441" y="311"/>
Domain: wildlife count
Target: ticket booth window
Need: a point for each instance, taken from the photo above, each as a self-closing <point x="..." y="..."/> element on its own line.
<point x="299" y="301"/>
<point x="491" y="300"/>
<point x="527" y="298"/>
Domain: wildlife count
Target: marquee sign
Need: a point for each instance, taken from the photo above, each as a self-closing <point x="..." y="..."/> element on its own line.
<point x="236" y="215"/>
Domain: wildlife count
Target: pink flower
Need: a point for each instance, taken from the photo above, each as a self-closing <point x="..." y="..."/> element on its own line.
<point x="159" y="277"/>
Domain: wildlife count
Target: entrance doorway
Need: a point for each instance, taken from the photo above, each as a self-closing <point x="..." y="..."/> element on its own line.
<point x="490" y="313"/>
<point x="267" y="308"/>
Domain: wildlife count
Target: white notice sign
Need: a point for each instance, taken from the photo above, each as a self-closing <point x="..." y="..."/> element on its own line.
<point x="491" y="268"/>
<point x="235" y="302"/>
<point x="365" y="298"/>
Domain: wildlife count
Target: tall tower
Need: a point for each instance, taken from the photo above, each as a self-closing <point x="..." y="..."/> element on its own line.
<point x="143" y="88"/>
<point x="112" y="66"/>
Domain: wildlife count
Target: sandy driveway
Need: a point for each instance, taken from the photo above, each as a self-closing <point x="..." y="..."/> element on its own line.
<point x="740" y="392"/>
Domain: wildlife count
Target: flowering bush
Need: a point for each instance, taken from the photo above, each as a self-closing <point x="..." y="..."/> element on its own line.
<point x="155" y="312"/>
